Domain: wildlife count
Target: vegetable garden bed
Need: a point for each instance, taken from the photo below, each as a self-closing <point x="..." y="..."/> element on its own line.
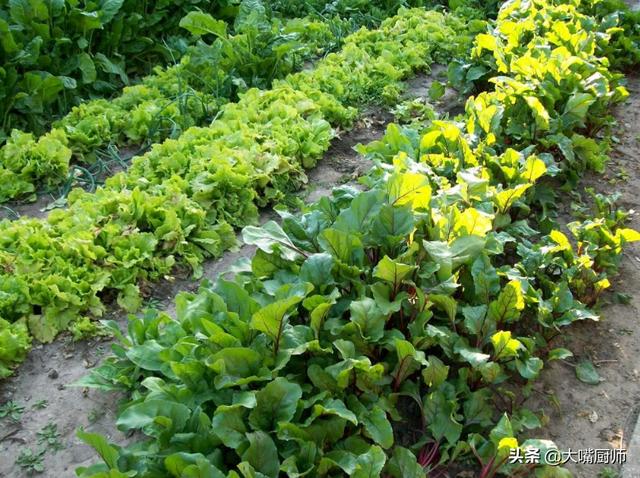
<point x="395" y="329"/>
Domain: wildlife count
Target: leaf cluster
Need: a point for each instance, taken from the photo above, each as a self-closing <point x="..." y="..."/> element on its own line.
<point x="55" y="53"/>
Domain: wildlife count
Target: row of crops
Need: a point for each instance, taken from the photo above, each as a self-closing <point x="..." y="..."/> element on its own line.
<point x="222" y="64"/>
<point x="395" y="331"/>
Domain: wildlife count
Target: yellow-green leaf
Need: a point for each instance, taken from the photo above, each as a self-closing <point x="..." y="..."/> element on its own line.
<point x="507" y="307"/>
<point x="504" y="346"/>
<point x="471" y="221"/>
<point x="560" y="239"/>
<point x="505" y="199"/>
<point x="411" y="188"/>
<point x="534" y="168"/>
<point x="539" y="112"/>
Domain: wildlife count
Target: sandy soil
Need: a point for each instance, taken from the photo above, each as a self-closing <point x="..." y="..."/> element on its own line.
<point x="583" y="416"/>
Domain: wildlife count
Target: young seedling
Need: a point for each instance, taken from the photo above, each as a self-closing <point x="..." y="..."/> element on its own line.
<point x="623" y="174"/>
<point x="152" y="303"/>
<point x="12" y="411"/>
<point x="31" y="461"/>
<point x="50" y="437"/>
<point x="41" y="404"/>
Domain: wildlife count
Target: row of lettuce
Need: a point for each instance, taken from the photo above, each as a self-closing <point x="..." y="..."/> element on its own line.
<point x="395" y="332"/>
<point x="56" y="54"/>
<point x="178" y="204"/>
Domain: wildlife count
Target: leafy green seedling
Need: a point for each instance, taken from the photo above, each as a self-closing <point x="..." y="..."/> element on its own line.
<point x="31" y="461"/>
<point x="560" y="354"/>
<point x="608" y="472"/>
<point x="50" y="437"/>
<point x="623" y="174"/>
<point x="95" y="415"/>
<point x="436" y="91"/>
<point x="11" y="410"/>
<point x="415" y="111"/>
<point x="41" y="404"/>
<point x="621" y="298"/>
<point x="152" y="303"/>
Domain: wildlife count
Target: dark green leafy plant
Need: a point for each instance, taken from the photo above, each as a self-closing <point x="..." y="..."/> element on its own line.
<point x="358" y="12"/>
<point x="348" y="315"/>
<point x="31" y="461"/>
<point x="53" y="54"/>
<point x="11" y="410"/>
<point x="624" y="48"/>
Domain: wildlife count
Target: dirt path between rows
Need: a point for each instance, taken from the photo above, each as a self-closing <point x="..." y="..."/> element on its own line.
<point x="583" y="416"/>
